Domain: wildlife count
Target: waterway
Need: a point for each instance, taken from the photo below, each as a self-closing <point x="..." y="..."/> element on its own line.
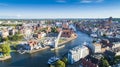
<point x="39" y="59"/>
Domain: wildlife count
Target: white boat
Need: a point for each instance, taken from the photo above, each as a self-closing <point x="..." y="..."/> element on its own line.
<point x="21" y="51"/>
<point x="93" y="35"/>
<point x="52" y="60"/>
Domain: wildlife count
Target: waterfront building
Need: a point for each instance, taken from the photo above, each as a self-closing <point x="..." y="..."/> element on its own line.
<point x="97" y="47"/>
<point x="67" y="33"/>
<point x="116" y="44"/>
<point x="32" y="44"/>
<point x="77" y="53"/>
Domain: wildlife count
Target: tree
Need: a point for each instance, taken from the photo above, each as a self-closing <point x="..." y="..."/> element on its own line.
<point x="59" y="63"/>
<point x="104" y="35"/>
<point x="5" y="49"/>
<point x="54" y="29"/>
<point x="116" y="59"/>
<point x="6" y="39"/>
<point x="65" y="60"/>
<point x="1" y="39"/>
<point x="15" y="37"/>
<point x="104" y="63"/>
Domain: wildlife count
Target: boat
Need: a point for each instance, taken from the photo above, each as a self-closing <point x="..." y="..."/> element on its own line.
<point x="93" y="35"/>
<point x="52" y="60"/>
<point x="21" y="51"/>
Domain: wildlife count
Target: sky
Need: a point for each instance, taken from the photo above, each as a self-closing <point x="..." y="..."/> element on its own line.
<point x="59" y="8"/>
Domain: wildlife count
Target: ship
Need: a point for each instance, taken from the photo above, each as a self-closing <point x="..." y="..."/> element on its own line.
<point x="52" y="60"/>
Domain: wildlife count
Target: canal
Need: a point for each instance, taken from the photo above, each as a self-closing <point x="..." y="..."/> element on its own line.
<point x="39" y="59"/>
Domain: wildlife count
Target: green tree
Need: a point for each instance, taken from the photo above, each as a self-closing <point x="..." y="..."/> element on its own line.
<point x="16" y="37"/>
<point x="116" y="59"/>
<point x="104" y="63"/>
<point x="1" y="39"/>
<point x="59" y="63"/>
<point x="104" y="35"/>
<point x="6" y="39"/>
<point x="65" y="60"/>
<point x="54" y="29"/>
<point x="0" y="49"/>
<point x="5" y="49"/>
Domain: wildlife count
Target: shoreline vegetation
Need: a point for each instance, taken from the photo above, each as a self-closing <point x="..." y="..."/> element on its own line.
<point x="5" y="51"/>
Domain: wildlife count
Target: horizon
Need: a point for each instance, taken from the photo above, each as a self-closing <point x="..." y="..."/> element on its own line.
<point x="59" y="9"/>
<point x="51" y="18"/>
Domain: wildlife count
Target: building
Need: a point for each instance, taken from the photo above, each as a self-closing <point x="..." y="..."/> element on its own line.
<point x="12" y="31"/>
<point x="65" y="25"/>
<point x="41" y="35"/>
<point x="58" y="24"/>
<point x="5" y="33"/>
<point x="115" y="45"/>
<point x="72" y="27"/>
<point x="110" y="20"/>
<point x="77" y="53"/>
<point x="27" y="33"/>
<point x="32" y="44"/>
<point x="67" y="33"/>
<point x="97" y="47"/>
<point x="87" y="63"/>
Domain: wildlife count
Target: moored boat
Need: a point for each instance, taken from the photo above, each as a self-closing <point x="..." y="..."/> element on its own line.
<point x="52" y="60"/>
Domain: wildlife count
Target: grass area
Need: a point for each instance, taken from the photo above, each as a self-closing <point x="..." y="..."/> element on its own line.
<point x="13" y="51"/>
<point x="13" y="43"/>
<point x="61" y="40"/>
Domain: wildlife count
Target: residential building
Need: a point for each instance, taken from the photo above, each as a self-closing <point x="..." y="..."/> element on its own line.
<point x="77" y="53"/>
<point x="97" y="47"/>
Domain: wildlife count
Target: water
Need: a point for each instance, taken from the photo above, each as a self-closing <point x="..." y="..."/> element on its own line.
<point x="40" y="59"/>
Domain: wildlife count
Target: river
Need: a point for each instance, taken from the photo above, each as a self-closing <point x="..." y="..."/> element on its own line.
<point x="39" y="59"/>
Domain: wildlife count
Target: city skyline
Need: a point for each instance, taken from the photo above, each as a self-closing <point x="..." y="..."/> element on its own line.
<point x="59" y="8"/>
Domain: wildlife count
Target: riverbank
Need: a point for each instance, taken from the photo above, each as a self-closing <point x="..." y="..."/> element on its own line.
<point x="5" y="58"/>
<point x="40" y="58"/>
<point x="33" y="51"/>
<point x="68" y="40"/>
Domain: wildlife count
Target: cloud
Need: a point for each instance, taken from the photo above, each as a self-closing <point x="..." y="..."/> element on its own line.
<point x="99" y="0"/>
<point x="61" y="1"/>
<point x="91" y="1"/>
<point x="86" y="1"/>
<point x="3" y="4"/>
